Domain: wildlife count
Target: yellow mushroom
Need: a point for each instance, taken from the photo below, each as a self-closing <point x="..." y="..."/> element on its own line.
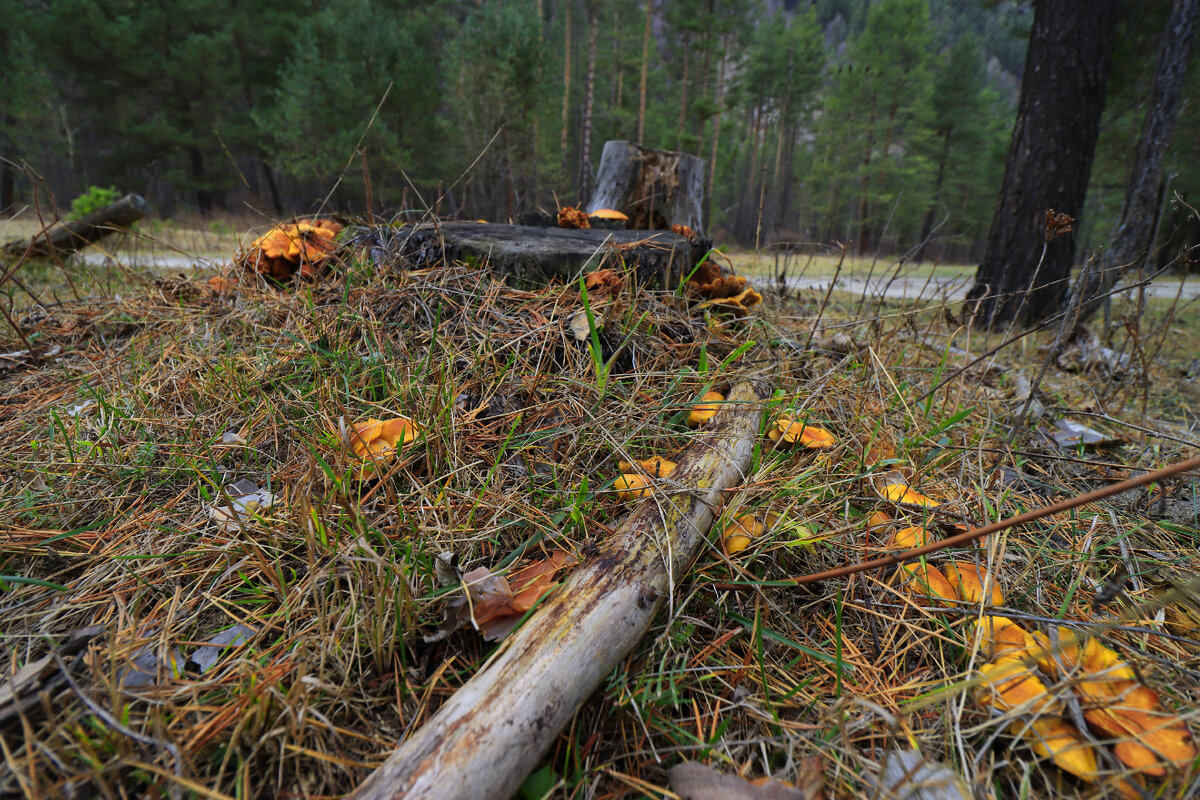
<point x="706" y="409"/>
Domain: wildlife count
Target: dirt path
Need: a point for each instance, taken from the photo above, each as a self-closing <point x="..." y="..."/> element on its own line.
<point x="913" y="288"/>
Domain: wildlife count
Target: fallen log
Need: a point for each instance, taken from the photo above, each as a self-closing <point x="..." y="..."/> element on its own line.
<point x="534" y="255"/>
<point x="68" y="237"/>
<point x="493" y="731"/>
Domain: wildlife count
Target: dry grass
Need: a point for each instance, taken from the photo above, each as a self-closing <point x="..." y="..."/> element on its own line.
<point x="114" y="451"/>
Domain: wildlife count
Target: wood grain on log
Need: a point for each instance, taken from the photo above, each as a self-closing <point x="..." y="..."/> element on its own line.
<point x="69" y="237"/>
<point x="492" y="732"/>
<point x="534" y="255"/>
<point x="655" y="188"/>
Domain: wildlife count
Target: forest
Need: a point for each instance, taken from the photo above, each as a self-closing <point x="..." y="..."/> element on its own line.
<point x="318" y="479"/>
<point x="881" y="124"/>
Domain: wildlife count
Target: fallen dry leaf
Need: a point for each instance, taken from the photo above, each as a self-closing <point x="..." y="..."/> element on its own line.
<point x="971" y="583"/>
<point x="909" y="775"/>
<point x="603" y="281"/>
<point x="496" y="603"/>
<point x="694" y="781"/>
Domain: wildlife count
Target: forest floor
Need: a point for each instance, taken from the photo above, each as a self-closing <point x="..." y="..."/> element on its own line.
<point x="171" y="629"/>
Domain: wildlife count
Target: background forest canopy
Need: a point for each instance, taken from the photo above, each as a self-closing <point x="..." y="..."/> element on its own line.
<point x="877" y="122"/>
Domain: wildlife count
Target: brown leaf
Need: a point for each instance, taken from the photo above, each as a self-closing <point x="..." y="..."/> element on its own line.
<point x="603" y="281"/>
<point x="498" y="603"/>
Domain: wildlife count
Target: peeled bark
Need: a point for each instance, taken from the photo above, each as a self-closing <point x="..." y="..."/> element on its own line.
<point x="493" y="731"/>
<point x="68" y="237"/>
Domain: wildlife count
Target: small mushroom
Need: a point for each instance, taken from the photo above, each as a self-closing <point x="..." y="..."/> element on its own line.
<point x="706" y="409"/>
<point x="655" y="466"/>
<point x="609" y="213"/>
<point x="740" y="533"/>
<point x="632" y="486"/>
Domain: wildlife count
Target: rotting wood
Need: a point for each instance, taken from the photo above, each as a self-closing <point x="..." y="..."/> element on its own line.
<point x="533" y="255"/>
<point x="68" y="237"/>
<point x="655" y="188"/>
<point x="493" y="731"/>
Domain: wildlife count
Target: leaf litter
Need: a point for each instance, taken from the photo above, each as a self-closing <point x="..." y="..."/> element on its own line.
<point x="290" y="649"/>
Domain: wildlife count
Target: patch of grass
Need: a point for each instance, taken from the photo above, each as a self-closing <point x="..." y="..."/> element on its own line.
<point x="113" y="455"/>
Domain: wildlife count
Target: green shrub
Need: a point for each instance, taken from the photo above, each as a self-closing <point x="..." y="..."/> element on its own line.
<point x="94" y="199"/>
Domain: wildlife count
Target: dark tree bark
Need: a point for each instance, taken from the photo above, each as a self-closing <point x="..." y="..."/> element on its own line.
<point x="641" y="128"/>
<point x="533" y="256"/>
<point x="566" y="106"/>
<point x="1024" y="272"/>
<point x="589" y="98"/>
<point x="1139" y="215"/>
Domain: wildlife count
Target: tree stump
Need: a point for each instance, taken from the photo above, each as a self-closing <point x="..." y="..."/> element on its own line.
<point x="655" y="188"/>
<point x="69" y="237"/>
<point x="533" y="256"/>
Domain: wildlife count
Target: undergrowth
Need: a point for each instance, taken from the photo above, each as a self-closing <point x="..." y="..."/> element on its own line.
<point x="114" y="450"/>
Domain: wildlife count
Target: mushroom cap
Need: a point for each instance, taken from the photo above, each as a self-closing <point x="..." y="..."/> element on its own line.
<point x="706" y="409"/>
<point x="632" y="486"/>
<point x="608" y="213"/>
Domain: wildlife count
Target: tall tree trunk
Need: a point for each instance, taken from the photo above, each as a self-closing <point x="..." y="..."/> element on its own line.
<point x="927" y="225"/>
<point x="641" y="129"/>
<point x="203" y="197"/>
<point x="535" y="149"/>
<point x="864" y="186"/>
<point x="589" y="97"/>
<point x="272" y="186"/>
<point x="683" y="87"/>
<point x="566" y="107"/>
<point x="1135" y="233"/>
<point x="1023" y="273"/>
<point x="719" y="98"/>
